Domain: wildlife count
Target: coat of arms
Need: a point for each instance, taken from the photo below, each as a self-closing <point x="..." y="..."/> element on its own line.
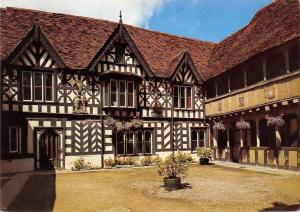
<point x="242" y="101"/>
<point x="269" y="92"/>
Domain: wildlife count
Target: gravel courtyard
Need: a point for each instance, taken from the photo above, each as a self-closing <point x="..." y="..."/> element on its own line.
<point x="212" y="188"/>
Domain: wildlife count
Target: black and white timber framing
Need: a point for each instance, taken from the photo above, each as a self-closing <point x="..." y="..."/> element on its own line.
<point x="85" y="135"/>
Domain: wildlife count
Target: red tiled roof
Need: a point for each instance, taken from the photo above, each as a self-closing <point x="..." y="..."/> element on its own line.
<point x="272" y="26"/>
<point x="78" y="39"/>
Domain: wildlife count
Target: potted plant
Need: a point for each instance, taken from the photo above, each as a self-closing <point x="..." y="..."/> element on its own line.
<point x="204" y="154"/>
<point x="173" y="168"/>
<point x="157" y="109"/>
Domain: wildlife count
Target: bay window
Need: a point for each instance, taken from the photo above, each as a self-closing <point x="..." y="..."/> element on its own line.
<point x="182" y="97"/>
<point x="119" y="93"/>
<point x="37" y="86"/>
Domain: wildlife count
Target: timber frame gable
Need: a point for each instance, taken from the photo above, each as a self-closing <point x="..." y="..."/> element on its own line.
<point x="122" y="35"/>
<point x="38" y="39"/>
<point x="186" y="70"/>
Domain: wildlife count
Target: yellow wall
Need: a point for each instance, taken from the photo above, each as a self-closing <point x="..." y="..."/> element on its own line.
<point x="282" y="89"/>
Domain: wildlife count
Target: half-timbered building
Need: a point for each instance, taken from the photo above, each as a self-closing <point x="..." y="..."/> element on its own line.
<point x="64" y="77"/>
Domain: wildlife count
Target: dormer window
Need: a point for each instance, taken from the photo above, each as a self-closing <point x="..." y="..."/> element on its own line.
<point x="119" y="93"/>
<point x="120" y="53"/>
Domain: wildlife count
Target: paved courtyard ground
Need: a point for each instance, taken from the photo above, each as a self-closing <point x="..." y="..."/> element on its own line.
<point x="208" y="188"/>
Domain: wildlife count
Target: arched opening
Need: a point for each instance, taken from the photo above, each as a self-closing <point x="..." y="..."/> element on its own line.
<point x="222" y="139"/>
<point x="250" y="135"/>
<point x="266" y="134"/>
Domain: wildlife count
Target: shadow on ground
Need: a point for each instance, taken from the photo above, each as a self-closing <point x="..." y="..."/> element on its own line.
<point x="280" y="206"/>
<point x="37" y="194"/>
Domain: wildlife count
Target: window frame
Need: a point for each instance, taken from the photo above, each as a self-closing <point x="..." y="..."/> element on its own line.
<point x="31" y="86"/>
<point x="179" y="98"/>
<point x="34" y="86"/>
<point x="45" y="90"/>
<point x="116" y="93"/>
<point x="198" y="139"/>
<point x="134" y="142"/>
<point x="125" y="92"/>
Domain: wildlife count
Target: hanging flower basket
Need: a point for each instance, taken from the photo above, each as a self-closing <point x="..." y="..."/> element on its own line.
<point x="276" y="121"/>
<point x="110" y="122"/>
<point x="157" y="110"/>
<point x="123" y="127"/>
<point x="136" y="122"/>
<point x="219" y="125"/>
<point x="242" y="124"/>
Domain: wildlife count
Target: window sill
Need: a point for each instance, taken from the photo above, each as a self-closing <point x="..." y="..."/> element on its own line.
<point x="37" y="103"/>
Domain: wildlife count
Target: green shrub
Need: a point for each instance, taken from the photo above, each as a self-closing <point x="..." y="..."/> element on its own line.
<point x="119" y="161"/>
<point x="203" y="152"/>
<point x="174" y="165"/>
<point x="147" y="161"/>
<point x="109" y="162"/>
<point x="157" y="160"/>
<point x="129" y="161"/>
<point x="80" y="164"/>
<point x="185" y="157"/>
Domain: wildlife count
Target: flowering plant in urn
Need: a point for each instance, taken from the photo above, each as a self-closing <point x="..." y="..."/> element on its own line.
<point x="276" y="121"/>
<point x="242" y="124"/>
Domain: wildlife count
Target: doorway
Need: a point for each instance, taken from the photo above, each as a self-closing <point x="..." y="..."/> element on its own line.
<point x="235" y="144"/>
<point x="49" y="150"/>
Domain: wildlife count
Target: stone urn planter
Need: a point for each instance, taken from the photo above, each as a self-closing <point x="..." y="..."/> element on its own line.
<point x="174" y="168"/>
<point x="172" y="184"/>
<point x="203" y="161"/>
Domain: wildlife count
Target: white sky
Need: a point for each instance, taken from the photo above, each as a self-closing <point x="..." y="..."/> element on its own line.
<point x="135" y="12"/>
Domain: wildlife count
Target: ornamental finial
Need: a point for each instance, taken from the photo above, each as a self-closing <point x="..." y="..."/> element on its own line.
<point x="120" y="16"/>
